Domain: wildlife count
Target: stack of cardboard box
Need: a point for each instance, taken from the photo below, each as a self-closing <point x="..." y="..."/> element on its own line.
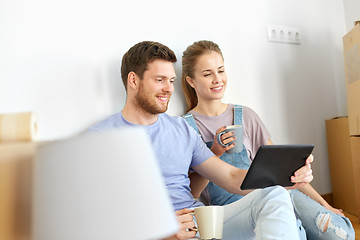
<point x="341" y="163"/>
<point x="343" y="134"/>
<point x="352" y="75"/>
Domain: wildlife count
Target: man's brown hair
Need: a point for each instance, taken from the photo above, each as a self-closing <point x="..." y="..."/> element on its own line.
<point x="137" y="58"/>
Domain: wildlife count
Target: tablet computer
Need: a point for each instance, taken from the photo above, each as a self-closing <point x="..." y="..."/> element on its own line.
<point x="275" y="164"/>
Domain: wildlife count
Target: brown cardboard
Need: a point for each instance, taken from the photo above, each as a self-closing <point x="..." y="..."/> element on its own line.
<point x="341" y="164"/>
<point x="355" y="153"/>
<point x="351" y="43"/>
<point x="15" y="190"/>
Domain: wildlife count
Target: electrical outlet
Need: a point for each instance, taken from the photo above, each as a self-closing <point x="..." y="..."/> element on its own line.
<point x="283" y="34"/>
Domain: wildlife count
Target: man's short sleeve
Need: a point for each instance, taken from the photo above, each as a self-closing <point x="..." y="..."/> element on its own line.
<point x="200" y="151"/>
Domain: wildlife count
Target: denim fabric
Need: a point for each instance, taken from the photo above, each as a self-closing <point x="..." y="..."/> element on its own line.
<point x="311" y="212"/>
<point x="262" y="214"/>
<point x="219" y="196"/>
<point x="308" y="212"/>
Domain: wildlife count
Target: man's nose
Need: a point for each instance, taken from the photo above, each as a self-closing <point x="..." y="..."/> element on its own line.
<point x="168" y="87"/>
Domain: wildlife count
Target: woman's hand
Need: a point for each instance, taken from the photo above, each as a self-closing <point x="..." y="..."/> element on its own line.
<point x="335" y="210"/>
<point x="303" y="175"/>
<point x="217" y="148"/>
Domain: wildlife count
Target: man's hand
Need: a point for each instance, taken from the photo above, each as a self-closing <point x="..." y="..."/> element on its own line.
<point x="303" y="175"/>
<point x="186" y="223"/>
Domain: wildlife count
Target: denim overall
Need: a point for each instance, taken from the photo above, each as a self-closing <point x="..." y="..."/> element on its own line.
<point x="307" y="211"/>
<point x="219" y="196"/>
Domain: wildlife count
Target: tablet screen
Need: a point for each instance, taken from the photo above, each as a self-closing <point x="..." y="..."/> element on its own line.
<point x="275" y="164"/>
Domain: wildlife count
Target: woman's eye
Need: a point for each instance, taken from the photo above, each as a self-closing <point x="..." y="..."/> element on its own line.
<point x="207" y="74"/>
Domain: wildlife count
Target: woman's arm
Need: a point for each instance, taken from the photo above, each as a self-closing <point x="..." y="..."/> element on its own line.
<point x="197" y="184"/>
<point x="309" y="191"/>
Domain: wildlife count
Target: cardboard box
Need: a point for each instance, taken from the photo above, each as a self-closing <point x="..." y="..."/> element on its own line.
<point x="341" y="165"/>
<point x="355" y="154"/>
<point x="16" y="166"/>
<point x="351" y="43"/>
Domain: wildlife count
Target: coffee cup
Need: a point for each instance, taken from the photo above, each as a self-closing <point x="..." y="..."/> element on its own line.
<point x="210" y="221"/>
<point x="238" y="129"/>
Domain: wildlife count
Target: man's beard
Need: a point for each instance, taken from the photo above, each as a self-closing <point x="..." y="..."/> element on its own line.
<point x="148" y="102"/>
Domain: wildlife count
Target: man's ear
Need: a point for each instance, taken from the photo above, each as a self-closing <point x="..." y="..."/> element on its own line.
<point x="190" y="81"/>
<point x="133" y="80"/>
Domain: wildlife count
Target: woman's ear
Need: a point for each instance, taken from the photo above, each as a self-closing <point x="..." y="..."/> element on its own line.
<point x="133" y="80"/>
<point x="190" y="81"/>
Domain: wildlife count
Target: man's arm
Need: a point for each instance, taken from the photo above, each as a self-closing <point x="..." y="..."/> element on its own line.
<point x="197" y="182"/>
<point x="230" y="178"/>
<point x="222" y="174"/>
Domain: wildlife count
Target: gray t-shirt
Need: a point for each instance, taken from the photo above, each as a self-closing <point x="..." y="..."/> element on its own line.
<point x="255" y="132"/>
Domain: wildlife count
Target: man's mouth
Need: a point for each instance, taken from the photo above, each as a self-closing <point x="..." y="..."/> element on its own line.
<point x="163" y="98"/>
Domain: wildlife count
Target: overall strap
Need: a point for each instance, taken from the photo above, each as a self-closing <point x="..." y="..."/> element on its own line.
<point x="238" y="115"/>
<point x="191" y="121"/>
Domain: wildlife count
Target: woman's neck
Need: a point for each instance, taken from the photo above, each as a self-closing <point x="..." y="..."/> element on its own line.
<point x="211" y="108"/>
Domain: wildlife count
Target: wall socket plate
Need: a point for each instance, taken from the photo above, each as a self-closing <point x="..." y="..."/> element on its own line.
<point x="283" y="34"/>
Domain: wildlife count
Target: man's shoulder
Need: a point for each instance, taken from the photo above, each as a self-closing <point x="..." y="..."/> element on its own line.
<point x="172" y="119"/>
<point x="177" y="122"/>
<point x="112" y="121"/>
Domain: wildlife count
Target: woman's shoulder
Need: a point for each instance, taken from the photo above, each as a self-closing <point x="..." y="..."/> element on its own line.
<point x="245" y="109"/>
<point x="248" y="113"/>
<point x="249" y="110"/>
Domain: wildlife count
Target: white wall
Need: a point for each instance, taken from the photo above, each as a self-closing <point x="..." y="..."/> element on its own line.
<point x="351" y="13"/>
<point x="61" y="59"/>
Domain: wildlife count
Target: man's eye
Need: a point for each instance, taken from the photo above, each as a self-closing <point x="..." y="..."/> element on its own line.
<point x="172" y="81"/>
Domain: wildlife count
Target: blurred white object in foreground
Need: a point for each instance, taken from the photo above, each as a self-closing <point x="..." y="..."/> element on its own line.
<point x="104" y="185"/>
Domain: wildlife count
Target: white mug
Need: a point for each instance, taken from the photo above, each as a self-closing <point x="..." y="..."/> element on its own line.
<point x="210" y="221"/>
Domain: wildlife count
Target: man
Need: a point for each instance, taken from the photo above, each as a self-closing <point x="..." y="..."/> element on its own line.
<point x="148" y="75"/>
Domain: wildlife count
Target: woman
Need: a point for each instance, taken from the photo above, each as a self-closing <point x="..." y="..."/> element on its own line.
<point x="204" y="82"/>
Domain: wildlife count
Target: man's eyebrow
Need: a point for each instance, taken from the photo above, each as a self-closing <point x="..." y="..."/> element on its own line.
<point x="164" y="77"/>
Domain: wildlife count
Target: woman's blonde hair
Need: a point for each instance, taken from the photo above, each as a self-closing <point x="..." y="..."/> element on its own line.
<point x="189" y="58"/>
